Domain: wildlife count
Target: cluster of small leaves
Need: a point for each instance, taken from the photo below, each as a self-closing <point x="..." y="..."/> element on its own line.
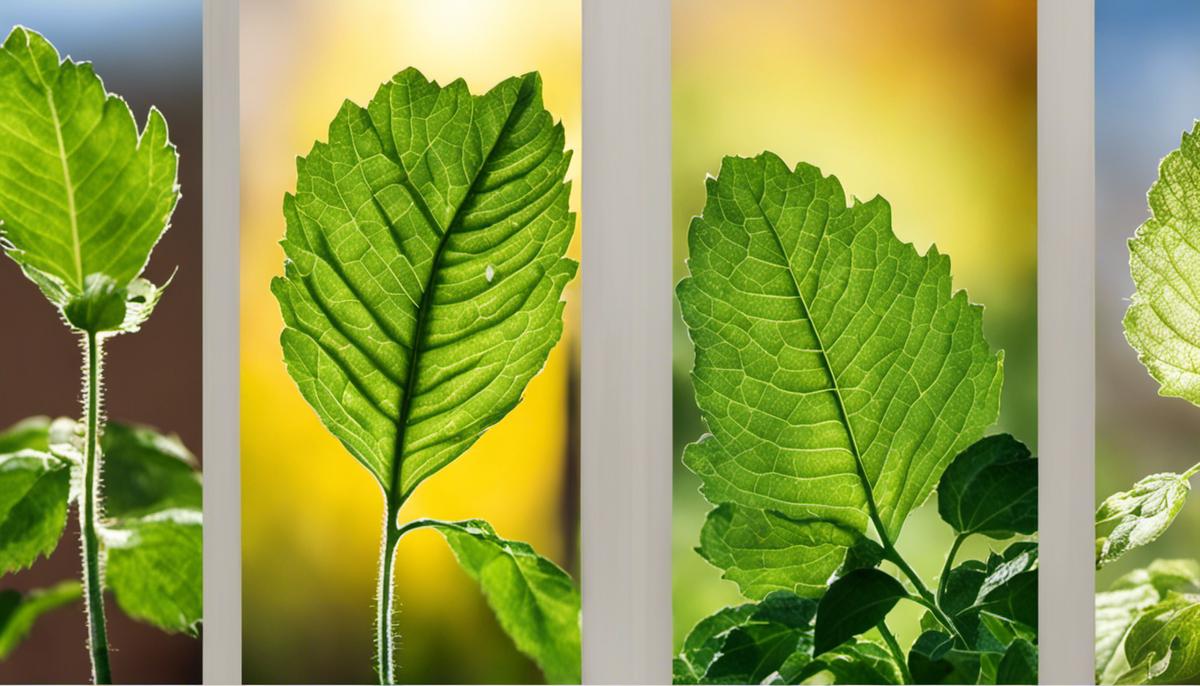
<point x="84" y="198"/>
<point x="842" y="381"/>
<point x="1148" y="620"/>
<point x="151" y="531"/>
<point x="421" y="293"/>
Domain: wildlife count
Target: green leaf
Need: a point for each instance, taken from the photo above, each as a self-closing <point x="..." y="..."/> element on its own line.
<point x="854" y="603"/>
<point x="1164" y="261"/>
<point x="82" y="192"/>
<point x="34" y="488"/>
<point x="765" y="551"/>
<point x="770" y="620"/>
<point x="754" y="652"/>
<point x="991" y="489"/>
<point x="1125" y="600"/>
<point x="19" y="611"/>
<point x="27" y="434"/>
<point x="704" y="641"/>
<point x="826" y="348"/>
<point x="855" y="662"/>
<point x="424" y="269"/>
<point x="536" y="603"/>
<point x="146" y="472"/>
<point x="934" y="660"/>
<point x="155" y="568"/>
<point x="1140" y="515"/>
<point x="1164" y="641"/>
<point x="1019" y="665"/>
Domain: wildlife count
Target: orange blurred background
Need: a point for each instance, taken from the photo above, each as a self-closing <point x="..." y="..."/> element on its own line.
<point x="931" y="104"/>
<point x="311" y="514"/>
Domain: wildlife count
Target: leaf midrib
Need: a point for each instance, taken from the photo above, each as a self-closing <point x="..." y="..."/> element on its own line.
<point x="67" y="185"/>
<point x="860" y="468"/>
<point x="423" y="308"/>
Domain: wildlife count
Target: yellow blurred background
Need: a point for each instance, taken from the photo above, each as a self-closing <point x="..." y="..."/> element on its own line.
<point x="929" y="103"/>
<point x="311" y="514"/>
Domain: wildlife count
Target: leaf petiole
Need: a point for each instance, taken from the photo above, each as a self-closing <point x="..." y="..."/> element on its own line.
<point x="958" y="541"/>
<point x="897" y="654"/>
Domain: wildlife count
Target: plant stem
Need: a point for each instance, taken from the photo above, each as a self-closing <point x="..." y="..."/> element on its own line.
<point x="89" y="514"/>
<point x="958" y="540"/>
<point x="890" y="554"/>
<point x="385" y="640"/>
<point x="897" y="654"/>
<point x="1192" y="472"/>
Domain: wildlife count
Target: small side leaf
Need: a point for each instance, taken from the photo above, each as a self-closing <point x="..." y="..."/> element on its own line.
<point x="19" y="611"/>
<point x="1125" y="600"/>
<point x="854" y="603"/>
<point x="536" y="602"/>
<point x="146" y="471"/>
<point x="1165" y="640"/>
<point x="855" y="662"/>
<point x="717" y="645"/>
<point x="933" y="660"/>
<point x="155" y="568"/>
<point x="34" y="487"/>
<point x="1140" y="515"/>
<point x="991" y="489"/>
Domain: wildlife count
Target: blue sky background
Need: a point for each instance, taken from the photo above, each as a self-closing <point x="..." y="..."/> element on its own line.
<point x="1147" y="94"/>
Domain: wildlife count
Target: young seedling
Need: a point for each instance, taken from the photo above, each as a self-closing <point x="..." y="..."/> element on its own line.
<point x="1148" y="621"/>
<point x="84" y="197"/>
<point x="842" y="380"/>
<point x="421" y="292"/>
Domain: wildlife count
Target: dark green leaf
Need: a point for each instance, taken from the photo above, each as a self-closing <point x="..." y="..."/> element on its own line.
<point x="536" y="602"/>
<point x="764" y="551"/>
<point x="425" y="263"/>
<point x="991" y="489"/>
<point x="104" y="193"/>
<point x="753" y="652"/>
<point x="19" y="611"/>
<point x="1019" y="665"/>
<point x="778" y="612"/>
<point x="34" y="489"/>
<point x="933" y="660"/>
<point x="856" y="662"/>
<point x="854" y="604"/>
<point x="1140" y="515"/>
<point x="1015" y="599"/>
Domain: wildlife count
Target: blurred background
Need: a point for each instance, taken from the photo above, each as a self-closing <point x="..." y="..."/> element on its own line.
<point x="311" y="513"/>
<point x="929" y="103"/>
<point x="149" y="52"/>
<point x="1147" y="95"/>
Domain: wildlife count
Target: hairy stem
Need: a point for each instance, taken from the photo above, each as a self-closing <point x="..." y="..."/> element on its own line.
<point x="958" y="541"/>
<point x="897" y="654"/>
<point x="385" y="639"/>
<point x="89" y="514"/>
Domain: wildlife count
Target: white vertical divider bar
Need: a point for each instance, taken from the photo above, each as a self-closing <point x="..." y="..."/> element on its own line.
<point x="1066" y="339"/>
<point x="222" y="482"/>
<point x="626" y="348"/>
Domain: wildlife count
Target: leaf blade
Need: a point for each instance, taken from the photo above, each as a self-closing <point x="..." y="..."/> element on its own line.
<point x="796" y="350"/>
<point x="854" y="604"/>
<point x="421" y="296"/>
<point x="105" y="191"/>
